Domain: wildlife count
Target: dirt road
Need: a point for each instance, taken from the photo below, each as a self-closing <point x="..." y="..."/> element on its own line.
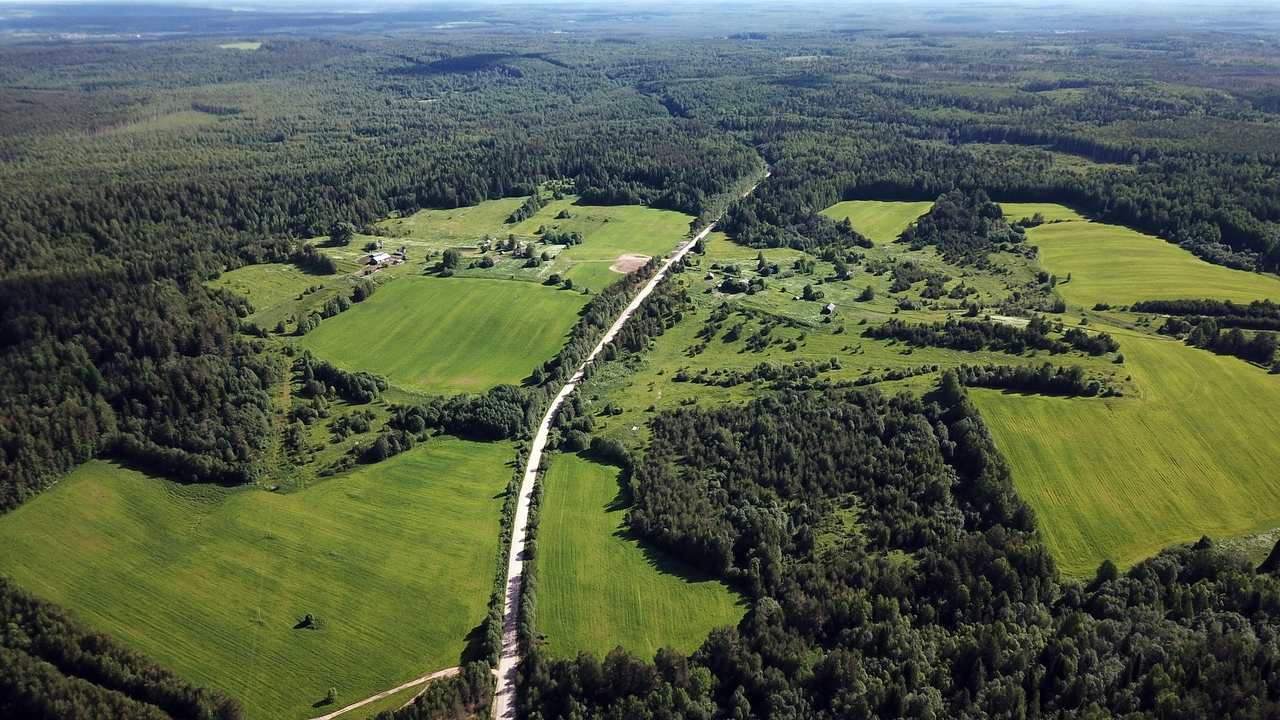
<point x="504" y="707"/>
<point x="420" y="681"/>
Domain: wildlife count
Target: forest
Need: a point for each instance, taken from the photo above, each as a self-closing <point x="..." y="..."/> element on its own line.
<point x="131" y="173"/>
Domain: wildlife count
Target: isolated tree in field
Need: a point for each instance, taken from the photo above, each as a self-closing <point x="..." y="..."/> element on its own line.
<point x="331" y="697"/>
<point x="868" y="294"/>
<point x="342" y="233"/>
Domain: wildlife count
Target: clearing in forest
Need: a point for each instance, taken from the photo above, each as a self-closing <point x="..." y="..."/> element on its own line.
<point x="269" y="284"/>
<point x="1116" y="265"/>
<point x="879" y="221"/>
<point x="599" y="588"/>
<point x="394" y="561"/>
<point x="1122" y="478"/>
<point x="450" y="335"/>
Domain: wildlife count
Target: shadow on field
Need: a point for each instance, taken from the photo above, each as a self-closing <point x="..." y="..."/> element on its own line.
<point x="474" y="650"/>
<point x="659" y="559"/>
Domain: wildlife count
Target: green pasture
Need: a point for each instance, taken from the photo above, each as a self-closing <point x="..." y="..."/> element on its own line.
<point x="799" y="332"/>
<point x="395" y="560"/>
<point x="240" y="46"/>
<point x="1051" y="212"/>
<point x="391" y="702"/>
<point x="608" y="231"/>
<point x="1122" y="478"/>
<point x="269" y="284"/>
<point x="1116" y="265"/>
<point x="459" y="226"/>
<point x="879" y="221"/>
<point x="598" y="588"/>
<point x="450" y="335"/>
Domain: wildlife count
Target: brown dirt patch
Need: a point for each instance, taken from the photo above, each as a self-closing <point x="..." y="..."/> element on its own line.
<point x="629" y="262"/>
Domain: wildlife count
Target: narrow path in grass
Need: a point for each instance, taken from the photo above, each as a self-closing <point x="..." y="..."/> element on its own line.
<point x="504" y="699"/>
<point x="447" y="672"/>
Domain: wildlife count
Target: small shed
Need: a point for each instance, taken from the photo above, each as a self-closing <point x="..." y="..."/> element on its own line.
<point x="710" y="276"/>
<point x="828" y="309"/>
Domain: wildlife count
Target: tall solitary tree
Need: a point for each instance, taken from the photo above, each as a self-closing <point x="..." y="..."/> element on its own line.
<point x="341" y="233"/>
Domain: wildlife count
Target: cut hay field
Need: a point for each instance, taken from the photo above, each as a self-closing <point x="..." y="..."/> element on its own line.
<point x="1123" y="478"/>
<point x="598" y="588"/>
<point x="879" y="221"/>
<point x="450" y="335"/>
<point x="1116" y="265"/>
<point x="395" y="560"/>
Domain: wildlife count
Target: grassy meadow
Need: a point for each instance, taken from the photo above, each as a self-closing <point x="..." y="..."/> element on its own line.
<point x="1119" y="266"/>
<point x="395" y="561"/>
<point x="608" y="232"/>
<point x="879" y="221"/>
<point x="268" y="284"/>
<point x="598" y="588"/>
<point x="450" y="335"/>
<point x="1122" y="478"/>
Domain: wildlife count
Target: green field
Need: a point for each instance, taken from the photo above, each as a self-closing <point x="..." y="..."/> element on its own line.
<point x="1051" y="212"/>
<point x="598" y="588"/>
<point x="1119" y="266"/>
<point x="268" y="284"/>
<point x="395" y="560"/>
<point x="879" y="221"/>
<point x="608" y="232"/>
<point x="240" y="45"/>
<point x="1123" y="478"/>
<point x="450" y="335"/>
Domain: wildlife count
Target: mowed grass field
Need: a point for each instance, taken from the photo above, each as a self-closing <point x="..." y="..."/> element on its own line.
<point x="879" y="221"/>
<point x="1124" y="477"/>
<point x="1116" y="265"/>
<point x="598" y="589"/>
<point x="450" y="335"/>
<point x="396" y="561"/>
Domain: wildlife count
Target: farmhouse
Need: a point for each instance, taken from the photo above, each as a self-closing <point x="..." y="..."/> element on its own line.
<point x="378" y="258"/>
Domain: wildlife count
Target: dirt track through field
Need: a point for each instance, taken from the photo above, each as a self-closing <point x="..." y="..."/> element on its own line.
<point x="420" y="681"/>
<point x="504" y="699"/>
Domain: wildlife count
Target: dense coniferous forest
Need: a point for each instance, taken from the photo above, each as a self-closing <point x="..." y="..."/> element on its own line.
<point x="133" y="172"/>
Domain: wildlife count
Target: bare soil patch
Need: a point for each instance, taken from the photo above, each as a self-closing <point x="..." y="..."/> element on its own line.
<point x="629" y="262"/>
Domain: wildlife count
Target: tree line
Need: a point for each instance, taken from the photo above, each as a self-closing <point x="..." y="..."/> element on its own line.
<point x="975" y="335"/>
<point x="53" y="666"/>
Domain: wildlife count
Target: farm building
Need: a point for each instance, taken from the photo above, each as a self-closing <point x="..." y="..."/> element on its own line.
<point x="828" y="309"/>
<point x="710" y="276"/>
<point x="378" y="258"/>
